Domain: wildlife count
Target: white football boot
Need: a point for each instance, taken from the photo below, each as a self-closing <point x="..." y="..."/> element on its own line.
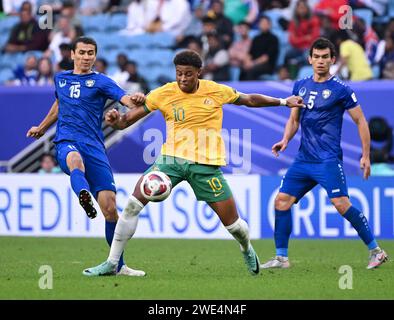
<point x="376" y="258"/>
<point x="126" y="271"/>
<point x="277" y="262"/>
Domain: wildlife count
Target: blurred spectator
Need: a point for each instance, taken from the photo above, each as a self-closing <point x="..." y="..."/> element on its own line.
<point x="217" y="60"/>
<point x="27" y="35"/>
<point x="117" y="6"/>
<point x="27" y="74"/>
<point x="379" y="164"/>
<point x="208" y="26"/>
<point x="331" y="9"/>
<point x="193" y="30"/>
<point x="13" y="7"/>
<point x="241" y="10"/>
<point x="326" y="29"/>
<point x="171" y="16"/>
<point x="223" y="25"/>
<point x="121" y="75"/>
<point x="135" y="82"/>
<point x="283" y="74"/>
<point x="379" y="7"/>
<point x="66" y="34"/>
<point x="54" y="5"/>
<point x="45" y="72"/>
<point x="48" y="164"/>
<point x="263" y="53"/>
<point x="381" y="136"/>
<point x="70" y="11"/>
<point x="101" y="65"/>
<point x="140" y="14"/>
<point x="239" y="50"/>
<point x="195" y="45"/>
<point x="387" y="61"/>
<point x="91" y="7"/>
<point x="272" y="4"/>
<point x="381" y="146"/>
<point x="352" y="55"/>
<point x="304" y="29"/>
<point x="367" y="38"/>
<point x="66" y="63"/>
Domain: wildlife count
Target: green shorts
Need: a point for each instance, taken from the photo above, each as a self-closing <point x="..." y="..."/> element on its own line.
<point x="207" y="181"/>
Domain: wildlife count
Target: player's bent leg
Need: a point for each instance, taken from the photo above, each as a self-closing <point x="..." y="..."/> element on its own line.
<point x="227" y="212"/>
<point x="283" y="228"/>
<point x="359" y="222"/>
<point x="79" y="183"/>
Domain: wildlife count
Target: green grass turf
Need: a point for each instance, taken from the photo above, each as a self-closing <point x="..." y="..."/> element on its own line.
<point x="190" y="269"/>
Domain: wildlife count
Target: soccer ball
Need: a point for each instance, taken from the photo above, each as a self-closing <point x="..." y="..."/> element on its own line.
<point x="156" y="186"/>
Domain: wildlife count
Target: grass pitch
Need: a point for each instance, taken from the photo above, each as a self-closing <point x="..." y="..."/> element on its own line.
<point x="191" y="269"/>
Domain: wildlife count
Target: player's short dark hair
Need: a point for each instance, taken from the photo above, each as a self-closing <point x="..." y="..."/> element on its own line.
<point x="323" y="43"/>
<point x="86" y="40"/>
<point x="188" y="58"/>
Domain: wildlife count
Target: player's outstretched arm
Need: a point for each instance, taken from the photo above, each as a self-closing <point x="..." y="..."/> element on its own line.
<point x="50" y="119"/>
<point x="255" y="100"/>
<point x="290" y="130"/>
<point x="120" y="122"/>
<point x="363" y="130"/>
<point x="135" y="100"/>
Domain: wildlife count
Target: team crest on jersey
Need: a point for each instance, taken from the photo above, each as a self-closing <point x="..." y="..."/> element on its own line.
<point x="89" y="83"/>
<point x="326" y="93"/>
<point x="208" y="101"/>
<point x="62" y="83"/>
<point x="302" y="91"/>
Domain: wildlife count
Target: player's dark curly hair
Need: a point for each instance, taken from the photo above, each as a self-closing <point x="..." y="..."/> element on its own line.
<point x="86" y="40"/>
<point x="188" y="58"/>
<point x="323" y="43"/>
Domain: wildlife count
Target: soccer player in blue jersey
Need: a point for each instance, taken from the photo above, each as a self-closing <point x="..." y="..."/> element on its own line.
<point x="319" y="159"/>
<point x="78" y="109"/>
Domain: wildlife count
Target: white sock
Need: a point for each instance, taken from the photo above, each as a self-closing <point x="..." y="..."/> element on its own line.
<point x="240" y="232"/>
<point x="125" y="228"/>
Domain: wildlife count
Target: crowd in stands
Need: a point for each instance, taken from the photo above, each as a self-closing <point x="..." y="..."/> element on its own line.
<point x="238" y="39"/>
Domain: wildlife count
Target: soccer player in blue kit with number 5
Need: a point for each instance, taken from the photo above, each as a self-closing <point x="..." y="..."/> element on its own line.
<point x="319" y="159"/>
<point x="81" y="95"/>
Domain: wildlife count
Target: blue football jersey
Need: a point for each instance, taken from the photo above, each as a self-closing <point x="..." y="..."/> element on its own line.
<point x="81" y="105"/>
<point x="321" y="120"/>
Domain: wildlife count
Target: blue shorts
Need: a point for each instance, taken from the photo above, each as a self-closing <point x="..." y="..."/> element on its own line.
<point x="302" y="176"/>
<point x="98" y="172"/>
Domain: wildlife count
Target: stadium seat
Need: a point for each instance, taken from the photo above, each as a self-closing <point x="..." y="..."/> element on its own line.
<point x="7" y="60"/>
<point x="365" y="14"/>
<point x="3" y="39"/>
<point x="161" y="57"/>
<point x="116" y="22"/>
<point x="391" y="9"/>
<point x="235" y="73"/>
<point x="253" y="33"/>
<point x="159" y="40"/>
<point x="5" y="75"/>
<point x="7" y="23"/>
<point x="94" y="23"/>
<point x="376" y="71"/>
<point x="140" y="56"/>
<point x="304" y="72"/>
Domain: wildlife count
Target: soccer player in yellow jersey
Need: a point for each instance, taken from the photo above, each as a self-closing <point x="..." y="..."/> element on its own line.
<point x="193" y="151"/>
